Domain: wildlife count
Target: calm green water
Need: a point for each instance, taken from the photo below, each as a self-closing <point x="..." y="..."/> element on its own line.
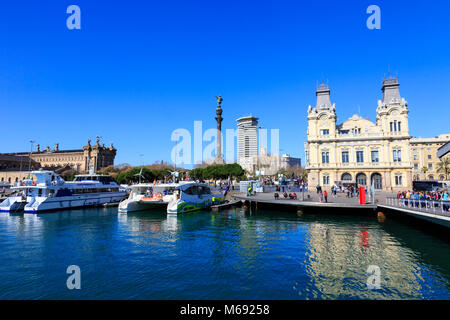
<point x="226" y="255"/>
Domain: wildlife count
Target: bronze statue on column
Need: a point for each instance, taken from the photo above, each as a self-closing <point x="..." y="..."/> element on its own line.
<point x="219" y="157"/>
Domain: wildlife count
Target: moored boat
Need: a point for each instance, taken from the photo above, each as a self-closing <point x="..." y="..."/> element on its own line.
<point x="147" y="196"/>
<point x="46" y="190"/>
<point x="193" y="197"/>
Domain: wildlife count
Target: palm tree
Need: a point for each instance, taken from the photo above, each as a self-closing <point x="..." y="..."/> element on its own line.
<point x="444" y="166"/>
<point x="424" y="171"/>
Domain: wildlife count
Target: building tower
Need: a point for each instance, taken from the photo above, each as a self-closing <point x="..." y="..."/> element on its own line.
<point x="247" y="140"/>
<point x="321" y="126"/>
<point x="392" y="111"/>
<point x="322" y="118"/>
<point x="219" y="119"/>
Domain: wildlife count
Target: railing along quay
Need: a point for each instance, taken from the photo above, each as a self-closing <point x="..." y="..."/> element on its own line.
<point x="428" y="206"/>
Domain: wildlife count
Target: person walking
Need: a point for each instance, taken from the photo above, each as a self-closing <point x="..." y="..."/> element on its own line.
<point x="249" y="190"/>
<point x="325" y="196"/>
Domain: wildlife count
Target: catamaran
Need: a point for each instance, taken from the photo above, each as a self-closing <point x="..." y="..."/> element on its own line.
<point x="194" y="196"/>
<point x="146" y="196"/>
<point x="46" y="190"/>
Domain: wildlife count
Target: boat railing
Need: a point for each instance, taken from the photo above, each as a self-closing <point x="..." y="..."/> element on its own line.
<point x="430" y="206"/>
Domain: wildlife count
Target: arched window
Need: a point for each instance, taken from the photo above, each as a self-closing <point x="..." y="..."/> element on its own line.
<point x="346" y="177"/>
<point x="377" y="181"/>
<point x="361" y="179"/>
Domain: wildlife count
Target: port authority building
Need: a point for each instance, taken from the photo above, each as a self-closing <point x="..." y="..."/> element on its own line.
<point x="14" y="166"/>
<point x="361" y="152"/>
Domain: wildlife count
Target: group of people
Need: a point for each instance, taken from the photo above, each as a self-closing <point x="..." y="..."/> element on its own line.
<point x="425" y="195"/>
<point x="291" y="196"/>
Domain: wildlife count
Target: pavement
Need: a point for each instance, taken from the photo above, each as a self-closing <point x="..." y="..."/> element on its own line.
<point x="340" y="198"/>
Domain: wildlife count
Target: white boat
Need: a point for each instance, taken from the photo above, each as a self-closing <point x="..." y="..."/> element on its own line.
<point x="46" y="190"/>
<point x="194" y="196"/>
<point x="147" y="196"/>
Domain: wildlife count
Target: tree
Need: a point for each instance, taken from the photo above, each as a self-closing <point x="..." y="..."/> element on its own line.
<point x="444" y="166"/>
<point x="424" y="170"/>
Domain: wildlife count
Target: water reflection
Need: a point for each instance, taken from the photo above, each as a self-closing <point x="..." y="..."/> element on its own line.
<point x="233" y="254"/>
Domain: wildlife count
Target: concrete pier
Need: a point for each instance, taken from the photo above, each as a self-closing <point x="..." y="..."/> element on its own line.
<point x="267" y="200"/>
<point x="430" y="217"/>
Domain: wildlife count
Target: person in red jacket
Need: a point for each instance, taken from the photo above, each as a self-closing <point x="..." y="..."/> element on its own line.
<point x="325" y="196"/>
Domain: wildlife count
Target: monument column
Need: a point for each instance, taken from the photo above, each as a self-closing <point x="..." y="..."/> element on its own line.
<point x="219" y="158"/>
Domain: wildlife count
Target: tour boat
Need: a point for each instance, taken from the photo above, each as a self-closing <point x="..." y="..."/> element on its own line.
<point x="194" y="196"/>
<point x="46" y="190"/>
<point x="146" y="196"/>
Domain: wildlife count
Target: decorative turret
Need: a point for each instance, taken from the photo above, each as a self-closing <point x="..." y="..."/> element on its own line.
<point x="323" y="97"/>
<point x="322" y="118"/>
<point x="323" y="102"/>
<point x="392" y="110"/>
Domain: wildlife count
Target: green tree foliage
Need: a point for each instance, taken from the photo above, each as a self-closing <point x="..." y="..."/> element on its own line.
<point x="217" y="171"/>
<point x="444" y="166"/>
<point x="147" y="175"/>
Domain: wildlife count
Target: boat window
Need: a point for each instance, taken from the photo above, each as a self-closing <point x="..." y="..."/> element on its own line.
<point x="191" y="190"/>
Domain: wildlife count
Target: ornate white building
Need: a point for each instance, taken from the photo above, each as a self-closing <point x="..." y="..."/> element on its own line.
<point x="358" y="150"/>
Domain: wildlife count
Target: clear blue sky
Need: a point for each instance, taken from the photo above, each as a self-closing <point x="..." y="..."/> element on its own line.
<point x="137" y="70"/>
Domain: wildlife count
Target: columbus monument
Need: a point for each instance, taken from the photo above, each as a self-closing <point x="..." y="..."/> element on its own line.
<point x="219" y="157"/>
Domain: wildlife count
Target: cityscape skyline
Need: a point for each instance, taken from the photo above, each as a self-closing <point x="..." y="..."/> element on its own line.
<point x="74" y="85"/>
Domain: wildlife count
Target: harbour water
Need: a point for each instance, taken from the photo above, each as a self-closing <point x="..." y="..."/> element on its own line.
<point x="232" y="254"/>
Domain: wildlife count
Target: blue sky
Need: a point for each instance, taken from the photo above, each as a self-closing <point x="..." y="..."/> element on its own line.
<point x="137" y="70"/>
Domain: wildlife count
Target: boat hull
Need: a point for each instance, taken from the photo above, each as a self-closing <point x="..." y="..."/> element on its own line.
<point x="13" y="204"/>
<point x="133" y="206"/>
<point x="43" y="204"/>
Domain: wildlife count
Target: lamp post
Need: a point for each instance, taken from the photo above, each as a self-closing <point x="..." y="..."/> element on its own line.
<point x="176" y="143"/>
<point x="31" y="151"/>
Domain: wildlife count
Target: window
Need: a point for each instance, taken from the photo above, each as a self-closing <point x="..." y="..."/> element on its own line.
<point x="398" y="180"/>
<point x="395" y="126"/>
<point x="430" y="166"/>
<point x="397" y="155"/>
<point x="326" y="180"/>
<point x="416" y="166"/>
<point x="325" y="157"/>
<point x="325" y="132"/>
<point x="415" y="157"/>
<point x="344" y="156"/>
<point x="429" y="156"/>
<point x="374" y="156"/>
<point x="359" y="156"/>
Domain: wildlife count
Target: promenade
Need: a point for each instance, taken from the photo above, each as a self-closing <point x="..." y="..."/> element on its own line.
<point x="311" y="200"/>
<point x="384" y="202"/>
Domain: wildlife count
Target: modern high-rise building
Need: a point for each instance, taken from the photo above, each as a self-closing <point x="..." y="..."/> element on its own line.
<point x="247" y="138"/>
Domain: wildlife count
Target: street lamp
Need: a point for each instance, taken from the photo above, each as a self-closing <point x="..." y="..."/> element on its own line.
<point x="176" y="143"/>
<point x="31" y="151"/>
